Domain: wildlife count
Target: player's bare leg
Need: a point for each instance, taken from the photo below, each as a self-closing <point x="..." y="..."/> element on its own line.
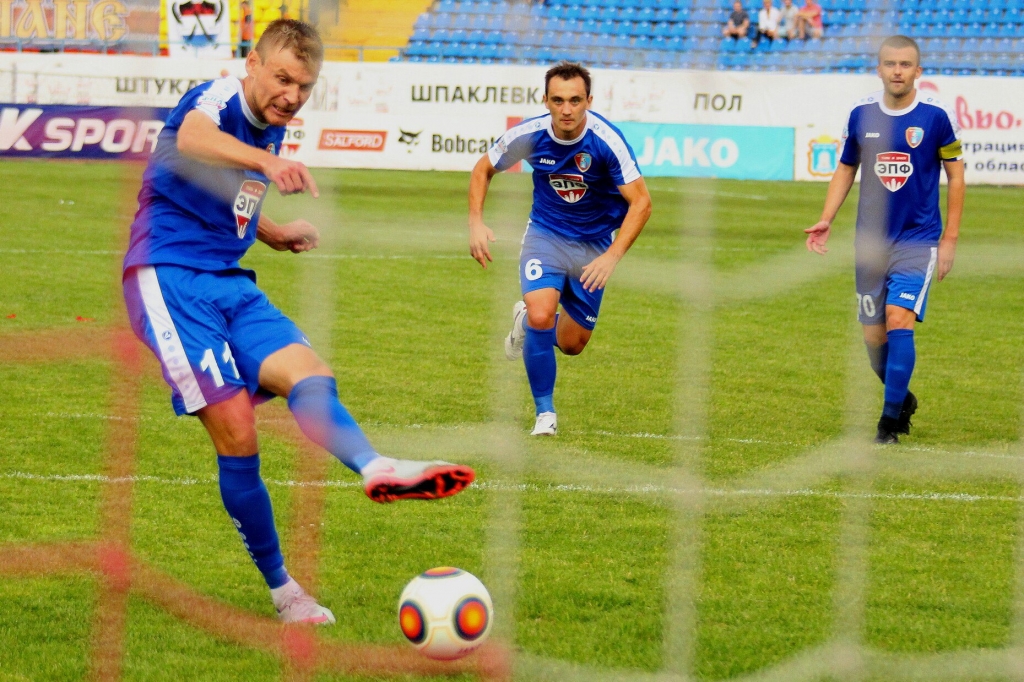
<point x="232" y="428"/>
<point x="891" y="349"/>
<point x="572" y="336"/>
<point x="296" y="372"/>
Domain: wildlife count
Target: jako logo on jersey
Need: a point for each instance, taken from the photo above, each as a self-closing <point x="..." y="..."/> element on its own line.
<point x="583" y="161"/>
<point x="909" y="297"/>
<point x="569" y="187"/>
<point x="893" y="169"/>
<point x="871" y="135"/>
<point x="246" y="202"/>
<point x="547" y="162"/>
<point x="914" y="136"/>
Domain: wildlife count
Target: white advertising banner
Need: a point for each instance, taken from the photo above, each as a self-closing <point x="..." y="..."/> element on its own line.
<point x="429" y="104"/>
<point x="199" y="29"/>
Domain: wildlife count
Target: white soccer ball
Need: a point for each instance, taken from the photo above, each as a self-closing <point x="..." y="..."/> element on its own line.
<point x="445" y="613"/>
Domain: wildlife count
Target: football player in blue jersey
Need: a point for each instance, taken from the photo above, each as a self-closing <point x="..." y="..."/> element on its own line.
<point x="221" y="344"/>
<point x="586" y="186"/>
<point x="904" y="138"/>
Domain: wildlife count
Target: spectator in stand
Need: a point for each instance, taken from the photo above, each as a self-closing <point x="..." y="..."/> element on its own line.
<point x="788" y="24"/>
<point x="739" y="22"/>
<point x="809" y="19"/>
<point x="768" y="22"/>
<point x="245" y="33"/>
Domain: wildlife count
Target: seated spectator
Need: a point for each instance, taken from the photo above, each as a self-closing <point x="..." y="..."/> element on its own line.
<point x="739" y="22"/>
<point x="768" y="22"/>
<point x="788" y="24"/>
<point x="809" y="19"/>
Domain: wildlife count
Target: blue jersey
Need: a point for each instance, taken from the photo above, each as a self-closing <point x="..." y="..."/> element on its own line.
<point x="902" y="152"/>
<point x="575" y="182"/>
<point x="194" y="214"/>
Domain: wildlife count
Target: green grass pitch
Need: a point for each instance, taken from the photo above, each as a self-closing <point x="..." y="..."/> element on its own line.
<point x="726" y="357"/>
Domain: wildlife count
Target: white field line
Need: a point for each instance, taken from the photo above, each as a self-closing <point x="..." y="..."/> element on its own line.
<point x="532" y="487"/>
<point x="642" y="435"/>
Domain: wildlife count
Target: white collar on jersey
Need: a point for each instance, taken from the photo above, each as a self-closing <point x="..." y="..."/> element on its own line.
<point x="898" y="112"/>
<point x="551" y="131"/>
<point x="249" y="116"/>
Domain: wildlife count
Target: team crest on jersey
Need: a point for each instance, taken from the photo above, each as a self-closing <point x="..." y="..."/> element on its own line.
<point x="893" y="169"/>
<point x="914" y="136"/>
<point x="568" y="186"/>
<point x="583" y="161"/>
<point x="245" y="204"/>
<point x="270" y="147"/>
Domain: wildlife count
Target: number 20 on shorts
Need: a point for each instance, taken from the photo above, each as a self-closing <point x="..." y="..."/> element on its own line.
<point x="867" y="304"/>
<point x="533" y="269"/>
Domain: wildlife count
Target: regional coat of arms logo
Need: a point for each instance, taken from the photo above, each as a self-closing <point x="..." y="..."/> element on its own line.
<point x="569" y="186"/>
<point x="583" y="161"/>
<point x="198" y="20"/>
<point x="823" y="156"/>
<point x="893" y="169"/>
<point x="914" y="136"/>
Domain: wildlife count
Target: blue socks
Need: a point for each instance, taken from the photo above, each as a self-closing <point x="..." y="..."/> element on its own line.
<point x="878" y="356"/>
<point x="248" y="504"/>
<point x="898" y="368"/>
<point x="326" y="422"/>
<point x="539" y="358"/>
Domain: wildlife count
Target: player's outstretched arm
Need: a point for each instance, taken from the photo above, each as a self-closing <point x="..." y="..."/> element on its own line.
<point x="954" y="210"/>
<point x="838" y="189"/>
<point x="296" y="236"/>
<point x="479" y="233"/>
<point x="199" y="138"/>
<point x="597" y="272"/>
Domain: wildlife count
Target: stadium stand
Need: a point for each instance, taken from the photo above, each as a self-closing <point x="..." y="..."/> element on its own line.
<point x="370" y="30"/>
<point x="957" y="37"/>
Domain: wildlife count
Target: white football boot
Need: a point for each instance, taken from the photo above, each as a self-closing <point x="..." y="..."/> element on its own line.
<point x="515" y="338"/>
<point x="387" y="480"/>
<point x="547" y="425"/>
<point x="295" y="606"/>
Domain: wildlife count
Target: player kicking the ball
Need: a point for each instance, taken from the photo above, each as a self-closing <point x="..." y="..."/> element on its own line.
<point x="586" y="185"/>
<point x="903" y="138"/>
<point x="220" y="342"/>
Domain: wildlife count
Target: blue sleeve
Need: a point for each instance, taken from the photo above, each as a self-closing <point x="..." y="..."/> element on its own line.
<point x="511" y="148"/>
<point x="851" y="147"/>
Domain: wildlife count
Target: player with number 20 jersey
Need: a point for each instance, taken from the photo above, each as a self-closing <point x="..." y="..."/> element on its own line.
<point x="902" y="139"/>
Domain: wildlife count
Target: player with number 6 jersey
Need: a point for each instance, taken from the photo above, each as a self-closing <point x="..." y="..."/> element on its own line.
<point x="221" y="344"/>
<point x="902" y="139"/>
<point x="586" y="186"/>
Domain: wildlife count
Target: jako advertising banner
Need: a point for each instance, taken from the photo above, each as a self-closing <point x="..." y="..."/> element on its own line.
<point x="705" y="151"/>
<point x="79" y="132"/>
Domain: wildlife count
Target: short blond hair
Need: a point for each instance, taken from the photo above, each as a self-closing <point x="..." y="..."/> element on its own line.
<point x="298" y="37"/>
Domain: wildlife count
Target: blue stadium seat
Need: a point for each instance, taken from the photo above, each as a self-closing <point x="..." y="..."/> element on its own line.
<point x="447" y="7"/>
<point x="442" y="35"/>
<point x="605" y="27"/>
<point x="676" y="44"/>
<point x="621" y="40"/>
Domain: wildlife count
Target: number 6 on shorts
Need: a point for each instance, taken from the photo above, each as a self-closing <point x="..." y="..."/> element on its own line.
<point x="533" y="269"/>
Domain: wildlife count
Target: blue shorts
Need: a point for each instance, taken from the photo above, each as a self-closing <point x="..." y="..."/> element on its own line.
<point x="550" y="261"/>
<point x="898" y="276"/>
<point x="210" y="331"/>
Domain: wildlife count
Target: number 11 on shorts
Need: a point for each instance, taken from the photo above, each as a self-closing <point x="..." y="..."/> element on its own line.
<point x="209" y="364"/>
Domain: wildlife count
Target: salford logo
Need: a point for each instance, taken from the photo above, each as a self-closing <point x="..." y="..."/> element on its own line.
<point x="893" y="169"/>
<point x="569" y="187"/>
<point x="354" y="140"/>
<point x="245" y="204"/>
